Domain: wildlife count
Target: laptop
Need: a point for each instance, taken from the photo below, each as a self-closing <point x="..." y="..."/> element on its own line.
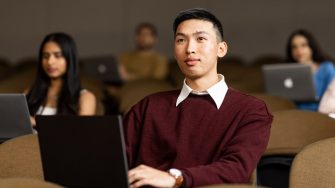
<point x="15" y="119"/>
<point x="293" y="81"/>
<point x="103" y="68"/>
<point x="83" y="151"/>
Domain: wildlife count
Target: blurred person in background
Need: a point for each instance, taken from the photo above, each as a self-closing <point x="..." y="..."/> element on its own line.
<point x="57" y="88"/>
<point x="141" y="63"/>
<point x="144" y="62"/>
<point x="303" y="48"/>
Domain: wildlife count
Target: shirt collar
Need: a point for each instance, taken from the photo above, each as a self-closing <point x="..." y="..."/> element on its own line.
<point x="217" y="92"/>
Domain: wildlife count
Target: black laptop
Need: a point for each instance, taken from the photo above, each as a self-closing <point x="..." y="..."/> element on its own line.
<point x="83" y="151"/>
<point x="104" y="68"/>
<point x="15" y="120"/>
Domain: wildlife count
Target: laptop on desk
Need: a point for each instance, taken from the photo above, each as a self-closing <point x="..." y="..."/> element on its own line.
<point x="83" y="151"/>
<point x="104" y="68"/>
<point x="290" y="80"/>
<point x="15" y="119"/>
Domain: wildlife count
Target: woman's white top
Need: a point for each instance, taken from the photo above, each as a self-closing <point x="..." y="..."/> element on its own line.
<point x="45" y="110"/>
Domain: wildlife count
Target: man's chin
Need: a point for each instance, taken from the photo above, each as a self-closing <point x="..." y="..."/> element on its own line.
<point x="192" y="76"/>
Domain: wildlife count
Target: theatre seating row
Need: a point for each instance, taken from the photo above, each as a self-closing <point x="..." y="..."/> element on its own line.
<point x="238" y="73"/>
<point x="293" y="132"/>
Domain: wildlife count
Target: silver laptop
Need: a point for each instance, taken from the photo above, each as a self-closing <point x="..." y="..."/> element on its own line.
<point x="290" y="80"/>
<point x="15" y="120"/>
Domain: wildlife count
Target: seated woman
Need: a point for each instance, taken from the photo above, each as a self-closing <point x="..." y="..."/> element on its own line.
<point x="57" y="88"/>
<point x="303" y="48"/>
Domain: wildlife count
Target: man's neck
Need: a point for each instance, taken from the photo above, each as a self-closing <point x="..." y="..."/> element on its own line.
<point x="202" y="84"/>
<point x="144" y="50"/>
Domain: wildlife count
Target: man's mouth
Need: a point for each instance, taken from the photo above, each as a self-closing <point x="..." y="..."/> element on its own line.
<point x="191" y="61"/>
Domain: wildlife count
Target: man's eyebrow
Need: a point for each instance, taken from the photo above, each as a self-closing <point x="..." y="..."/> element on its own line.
<point x="180" y="34"/>
<point x="195" y="33"/>
<point x="200" y="32"/>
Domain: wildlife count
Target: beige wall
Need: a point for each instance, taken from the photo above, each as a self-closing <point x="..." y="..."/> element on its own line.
<point x="101" y="27"/>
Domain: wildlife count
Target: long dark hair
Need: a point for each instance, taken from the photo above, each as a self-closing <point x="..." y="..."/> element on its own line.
<point x="317" y="55"/>
<point x="67" y="102"/>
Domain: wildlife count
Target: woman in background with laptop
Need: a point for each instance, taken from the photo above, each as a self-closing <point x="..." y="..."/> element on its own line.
<point x="57" y="88"/>
<point x="303" y="48"/>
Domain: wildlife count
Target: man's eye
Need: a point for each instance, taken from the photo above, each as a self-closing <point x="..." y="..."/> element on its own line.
<point x="180" y="40"/>
<point x="201" y="39"/>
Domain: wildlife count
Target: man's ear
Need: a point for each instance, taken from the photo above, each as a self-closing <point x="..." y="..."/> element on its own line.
<point x="222" y="49"/>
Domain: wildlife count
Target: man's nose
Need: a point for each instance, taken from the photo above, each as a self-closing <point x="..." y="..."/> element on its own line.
<point x="191" y="47"/>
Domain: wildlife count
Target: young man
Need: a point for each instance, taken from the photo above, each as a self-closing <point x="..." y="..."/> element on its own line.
<point x="205" y="133"/>
<point x="144" y="62"/>
<point x="141" y="63"/>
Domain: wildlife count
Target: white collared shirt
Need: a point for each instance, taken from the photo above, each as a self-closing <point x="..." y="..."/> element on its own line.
<point x="217" y="92"/>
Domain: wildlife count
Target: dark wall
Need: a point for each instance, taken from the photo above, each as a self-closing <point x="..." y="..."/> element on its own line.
<point x="101" y="27"/>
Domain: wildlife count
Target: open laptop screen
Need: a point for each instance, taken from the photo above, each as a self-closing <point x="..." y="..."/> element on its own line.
<point x="290" y="80"/>
<point x="83" y="151"/>
<point x="15" y="119"/>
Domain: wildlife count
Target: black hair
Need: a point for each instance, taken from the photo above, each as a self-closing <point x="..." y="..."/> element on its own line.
<point x="317" y="54"/>
<point x="146" y="25"/>
<point x="199" y="14"/>
<point x="69" y="94"/>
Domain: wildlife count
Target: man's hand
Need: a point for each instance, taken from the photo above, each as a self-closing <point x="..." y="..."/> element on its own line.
<point x="144" y="175"/>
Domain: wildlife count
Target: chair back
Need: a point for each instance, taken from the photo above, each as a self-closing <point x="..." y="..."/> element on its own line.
<point x="314" y="166"/>
<point x="134" y="91"/>
<point x="26" y="182"/>
<point x="20" y="157"/>
<point x="293" y="129"/>
<point x="175" y="76"/>
<point x="275" y="103"/>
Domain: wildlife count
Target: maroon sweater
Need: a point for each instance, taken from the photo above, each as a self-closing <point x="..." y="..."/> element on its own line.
<point x="208" y="145"/>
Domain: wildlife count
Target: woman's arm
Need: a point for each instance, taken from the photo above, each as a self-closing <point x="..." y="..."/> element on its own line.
<point x="87" y="103"/>
<point x="32" y="118"/>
